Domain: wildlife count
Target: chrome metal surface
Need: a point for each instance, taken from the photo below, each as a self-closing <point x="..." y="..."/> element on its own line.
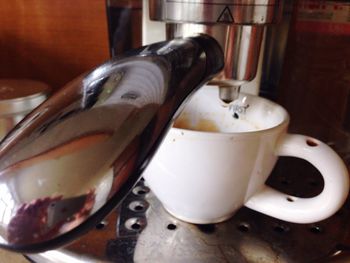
<point x="229" y="93"/>
<point x="216" y="11"/>
<point x="241" y="46"/>
<point x="72" y="160"/>
<point x="150" y="234"/>
<point x="237" y="25"/>
<point x="247" y="237"/>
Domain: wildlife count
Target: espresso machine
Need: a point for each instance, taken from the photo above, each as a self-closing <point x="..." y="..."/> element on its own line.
<point x="238" y="27"/>
<point x="252" y="36"/>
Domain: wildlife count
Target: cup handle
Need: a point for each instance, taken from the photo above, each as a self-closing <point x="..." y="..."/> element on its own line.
<point x="306" y="210"/>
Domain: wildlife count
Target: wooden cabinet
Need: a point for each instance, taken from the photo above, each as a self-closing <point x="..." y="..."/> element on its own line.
<point x="52" y="41"/>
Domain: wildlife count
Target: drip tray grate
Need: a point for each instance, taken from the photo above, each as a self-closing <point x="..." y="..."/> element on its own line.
<point x="142" y="231"/>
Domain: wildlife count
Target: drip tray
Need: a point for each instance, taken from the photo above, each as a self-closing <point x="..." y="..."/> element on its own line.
<point x="140" y="230"/>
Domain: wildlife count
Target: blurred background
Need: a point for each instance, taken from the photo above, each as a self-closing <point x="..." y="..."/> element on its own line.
<point x="51" y="41"/>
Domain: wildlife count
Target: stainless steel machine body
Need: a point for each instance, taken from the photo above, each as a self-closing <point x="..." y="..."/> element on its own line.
<point x="237" y="25"/>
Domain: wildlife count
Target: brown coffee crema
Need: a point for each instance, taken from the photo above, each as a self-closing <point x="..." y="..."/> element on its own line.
<point x="201" y="125"/>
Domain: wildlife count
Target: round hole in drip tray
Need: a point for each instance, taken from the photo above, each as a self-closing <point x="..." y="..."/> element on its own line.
<point x="141" y="190"/>
<point x="135" y="224"/>
<point x="243" y="227"/>
<point x="101" y="225"/>
<point x="280" y="229"/>
<point x="171" y="226"/>
<point x="138" y="206"/>
<point x="316" y="229"/>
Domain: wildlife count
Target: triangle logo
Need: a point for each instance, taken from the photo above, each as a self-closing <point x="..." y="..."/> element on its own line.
<point x="225" y="16"/>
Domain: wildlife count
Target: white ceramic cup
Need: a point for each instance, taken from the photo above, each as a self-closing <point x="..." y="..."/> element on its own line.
<point x="206" y="176"/>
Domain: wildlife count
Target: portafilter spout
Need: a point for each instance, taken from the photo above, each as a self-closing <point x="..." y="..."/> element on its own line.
<point x="73" y="159"/>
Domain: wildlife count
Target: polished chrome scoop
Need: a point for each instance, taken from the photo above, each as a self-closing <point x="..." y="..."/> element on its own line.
<point x="73" y="159"/>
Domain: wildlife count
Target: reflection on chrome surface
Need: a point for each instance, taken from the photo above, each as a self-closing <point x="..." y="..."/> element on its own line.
<point x="69" y="162"/>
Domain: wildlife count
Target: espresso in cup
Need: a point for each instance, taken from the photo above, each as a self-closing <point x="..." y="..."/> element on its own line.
<point x="201" y="125"/>
<point x="216" y="159"/>
<point x="207" y="125"/>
